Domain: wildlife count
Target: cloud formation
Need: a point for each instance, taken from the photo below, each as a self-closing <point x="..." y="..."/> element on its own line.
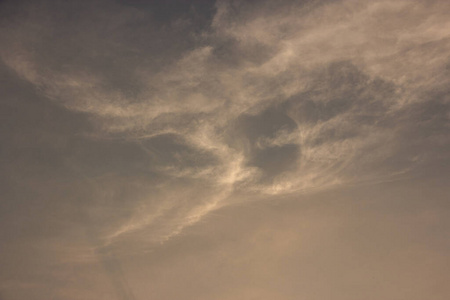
<point x="304" y="96"/>
<point x="169" y="117"/>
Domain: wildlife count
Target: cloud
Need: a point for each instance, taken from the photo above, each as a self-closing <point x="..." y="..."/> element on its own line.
<point x="269" y="99"/>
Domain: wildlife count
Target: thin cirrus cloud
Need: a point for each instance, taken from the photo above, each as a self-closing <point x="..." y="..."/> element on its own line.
<point x="272" y="101"/>
<point x="169" y="117"/>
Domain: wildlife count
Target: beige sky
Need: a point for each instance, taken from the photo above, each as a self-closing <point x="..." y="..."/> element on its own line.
<point x="224" y="150"/>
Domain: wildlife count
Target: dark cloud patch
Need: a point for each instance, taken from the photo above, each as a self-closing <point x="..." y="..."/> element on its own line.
<point x="243" y="11"/>
<point x="202" y="11"/>
<point x="253" y="130"/>
<point x="431" y="117"/>
<point x="265" y="124"/>
<point x="107" y="41"/>
<point x="423" y="132"/>
<point x="275" y="160"/>
<point x="171" y="150"/>
<point x="341" y="88"/>
<point x="231" y="52"/>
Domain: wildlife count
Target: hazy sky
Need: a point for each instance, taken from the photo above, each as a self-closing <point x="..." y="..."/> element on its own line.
<point x="225" y="150"/>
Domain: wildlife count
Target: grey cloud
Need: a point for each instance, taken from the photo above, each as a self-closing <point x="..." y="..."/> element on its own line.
<point x="250" y="130"/>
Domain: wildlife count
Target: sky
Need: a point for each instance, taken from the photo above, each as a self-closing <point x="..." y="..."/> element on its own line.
<point x="226" y="150"/>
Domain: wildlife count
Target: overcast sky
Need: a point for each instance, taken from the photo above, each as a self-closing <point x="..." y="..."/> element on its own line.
<point x="225" y="150"/>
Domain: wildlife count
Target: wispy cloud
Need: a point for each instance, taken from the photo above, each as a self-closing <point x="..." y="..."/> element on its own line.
<point x="272" y="101"/>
